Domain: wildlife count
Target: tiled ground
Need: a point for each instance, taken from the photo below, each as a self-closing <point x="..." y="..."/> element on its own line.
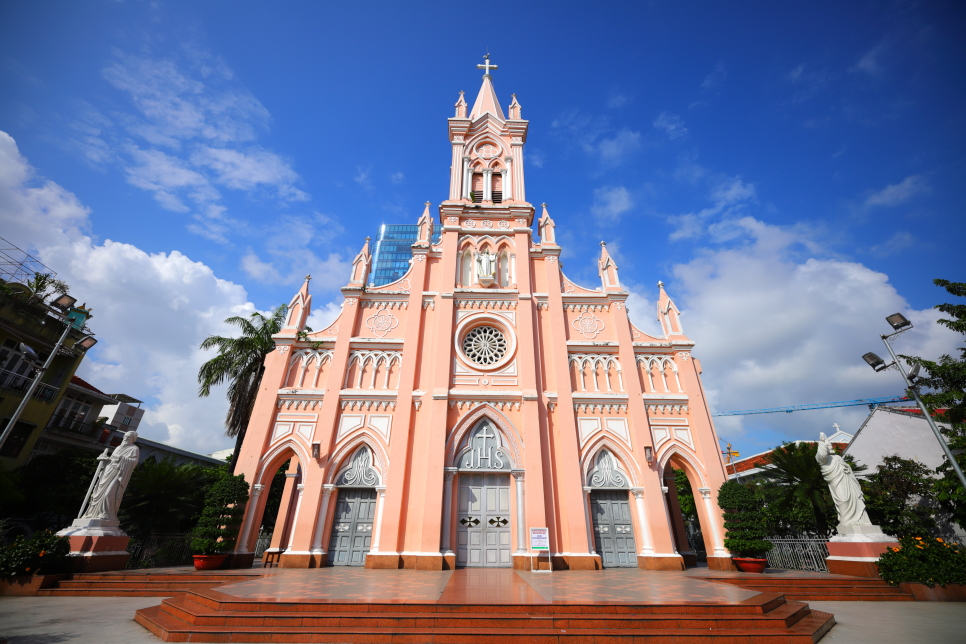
<point x="485" y="586"/>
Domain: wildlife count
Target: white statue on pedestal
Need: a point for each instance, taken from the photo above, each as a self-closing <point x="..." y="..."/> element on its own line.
<point x="110" y="481"/>
<point x="485" y="265"/>
<point x="854" y="523"/>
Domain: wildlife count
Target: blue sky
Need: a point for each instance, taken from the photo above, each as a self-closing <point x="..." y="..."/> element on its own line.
<point x="793" y="173"/>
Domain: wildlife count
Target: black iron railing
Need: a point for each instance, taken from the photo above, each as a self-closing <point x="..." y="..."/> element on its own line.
<point x="18" y="382"/>
<point x="160" y="550"/>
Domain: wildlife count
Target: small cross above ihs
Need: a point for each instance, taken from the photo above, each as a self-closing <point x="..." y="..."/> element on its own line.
<point x="486" y="66"/>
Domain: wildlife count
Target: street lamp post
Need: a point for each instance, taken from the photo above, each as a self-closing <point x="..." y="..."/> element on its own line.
<point x="901" y="324"/>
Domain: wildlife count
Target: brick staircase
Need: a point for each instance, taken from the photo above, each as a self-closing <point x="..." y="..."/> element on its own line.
<point x="820" y="588"/>
<point x="137" y="583"/>
<point x="211" y="616"/>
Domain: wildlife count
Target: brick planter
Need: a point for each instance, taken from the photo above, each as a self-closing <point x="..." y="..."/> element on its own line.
<point x="28" y="585"/>
<point x="923" y="593"/>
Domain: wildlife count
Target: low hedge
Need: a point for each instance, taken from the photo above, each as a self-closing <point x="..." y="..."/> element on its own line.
<point x="43" y="553"/>
<point x="928" y="561"/>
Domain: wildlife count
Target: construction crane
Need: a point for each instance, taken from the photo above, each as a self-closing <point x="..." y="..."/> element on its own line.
<point x="871" y="402"/>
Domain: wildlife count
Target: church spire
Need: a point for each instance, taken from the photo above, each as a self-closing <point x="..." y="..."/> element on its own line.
<point x="668" y="314"/>
<point x="486" y="100"/>
<point x="299" y="309"/>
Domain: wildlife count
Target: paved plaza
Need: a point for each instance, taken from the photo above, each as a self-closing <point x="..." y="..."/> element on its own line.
<point x="109" y="620"/>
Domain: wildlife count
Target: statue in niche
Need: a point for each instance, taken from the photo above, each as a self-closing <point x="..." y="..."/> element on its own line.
<point x="485" y="265"/>
<point x="111" y="479"/>
<point x="845" y="489"/>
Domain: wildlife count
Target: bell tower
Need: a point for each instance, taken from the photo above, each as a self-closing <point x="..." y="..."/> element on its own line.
<point x="487" y="166"/>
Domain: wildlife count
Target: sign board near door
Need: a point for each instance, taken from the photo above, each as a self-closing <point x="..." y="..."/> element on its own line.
<point x="540" y="539"/>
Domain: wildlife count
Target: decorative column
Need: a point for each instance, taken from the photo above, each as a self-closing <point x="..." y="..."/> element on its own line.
<point x="380" y="504"/>
<point x="241" y="546"/>
<point x="300" y="488"/>
<point x="467" y="178"/>
<point x="667" y="515"/>
<point x="646" y="545"/>
<point x="516" y="146"/>
<point x="508" y="180"/>
<point x="518" y="476"/>
<point x="488" y="185"/>
<point x="449" y="474"/>
<point x="591" y="542"/>
<point x="719" y="549"/>
<point x="456" y="178"/>
<point x="317" y="548"/>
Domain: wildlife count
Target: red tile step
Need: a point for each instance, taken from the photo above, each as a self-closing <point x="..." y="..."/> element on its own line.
<point x="209" y="616"/>
<point x="821" y="588"/>
<point x="135" y="584"/>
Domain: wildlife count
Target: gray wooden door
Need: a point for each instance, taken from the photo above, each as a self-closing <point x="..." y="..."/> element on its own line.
<point x="352" y="527"/>
<point x="483" y="521"/>
<point x="613" y="528"/>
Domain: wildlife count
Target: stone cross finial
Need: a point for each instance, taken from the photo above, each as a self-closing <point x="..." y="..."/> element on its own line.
<point x="486" y="67"/>
<point x="836" y="426"/>
<point x="427" y="204"/>
<point x="308" y="278"/>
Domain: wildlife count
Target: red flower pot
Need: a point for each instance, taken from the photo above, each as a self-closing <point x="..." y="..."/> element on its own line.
<point x="209" y="562"/>
<point x="748" y="564"/>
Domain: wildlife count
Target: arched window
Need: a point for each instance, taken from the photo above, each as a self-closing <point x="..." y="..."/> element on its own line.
<point x="466" y="270"/>
<point x="503" y="270"/>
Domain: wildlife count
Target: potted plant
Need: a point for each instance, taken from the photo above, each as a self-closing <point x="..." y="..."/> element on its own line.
<point x="744" y="522"/>
<point x="31" y="563"/>
<point x="215" y="534"/>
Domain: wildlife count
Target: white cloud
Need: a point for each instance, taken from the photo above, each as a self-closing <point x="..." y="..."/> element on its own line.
<point x="899" y="193"/>
<point x="362" y="177"/>
<point x="151" y="311"/>
<point x="596" y="137"/>
<point x="397" y="177"/>
<point x="250" y="169"/>
<point x="773" y="331"/>
<point x="614" y="150"/>
<point x="900" y="241"/>
<point x="671" y="124"/>
<point x="870" y="62"/>
<point x="615" y="101"/>
<point x="610" y="203"/>
<point x="715" y="79"/>
<point x="729" y="197"/>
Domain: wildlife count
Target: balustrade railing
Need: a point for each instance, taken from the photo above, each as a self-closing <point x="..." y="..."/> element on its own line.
<point x="799" y="553"/>
<point x="264" y="541"/>
<point x="160" y="550"/>
<point x="18" y="382"/>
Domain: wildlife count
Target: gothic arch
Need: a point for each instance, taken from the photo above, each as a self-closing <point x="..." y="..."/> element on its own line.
<point x="620" y="454"/>
<point x="358" y="469"/>
<point x="688" y="461"/>
<point x="274" y="459"/>
<point x="469" y="421"/>
<point x="303" y="358"/>
<point x="340" y="457"/>
<point x="483" y="136"/>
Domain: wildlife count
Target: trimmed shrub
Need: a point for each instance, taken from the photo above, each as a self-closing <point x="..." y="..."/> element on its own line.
<point x="928" y="561"/>
<point x="43" y="553"/>
<point x="744" y="520"/>
<point x="217" y="529"/>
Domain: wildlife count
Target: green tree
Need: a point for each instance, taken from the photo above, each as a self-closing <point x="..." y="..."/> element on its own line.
<point x="273" y="500"/>
<point x="892" y="497"/>
<point x="217" y="529"/>
<point x="743" y="520"/>
<point x="43" y="286"/>
<point x="685" y="496"/>
<point x="240" y="363"/>
<point x="54" y="486"/>
<point x="164" y="496"/>
<point x="945" y="383"/>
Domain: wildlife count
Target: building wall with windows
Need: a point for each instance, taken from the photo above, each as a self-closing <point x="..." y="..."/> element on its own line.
<point x="393" y="252"/>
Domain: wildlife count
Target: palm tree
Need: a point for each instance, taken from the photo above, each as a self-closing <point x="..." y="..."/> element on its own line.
<point x="798" y="478"/>
<point x="240" y="362"/>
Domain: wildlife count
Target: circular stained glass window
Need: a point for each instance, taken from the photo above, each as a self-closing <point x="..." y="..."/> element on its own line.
<point x="484" y="345"/>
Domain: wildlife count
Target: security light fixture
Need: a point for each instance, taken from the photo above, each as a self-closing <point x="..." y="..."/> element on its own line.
<point x="649" y="453"/>
<point x="65" y="301"/>
<point x="875" y="361"/>
<point x="898" y="321"/>
<point x="87" y="342"/>
<point x="316" y="450"/>
<point x="913" y="374"/>
<point x="28" y="353"/>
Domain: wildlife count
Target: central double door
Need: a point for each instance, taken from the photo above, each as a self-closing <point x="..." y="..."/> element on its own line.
<point x="483" y="521"/>
<point x="613" y="528"/>
<point x="352" y="524"/>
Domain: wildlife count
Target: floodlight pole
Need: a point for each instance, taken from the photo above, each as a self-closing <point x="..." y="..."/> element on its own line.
<point x="922" y="406"/>
<point x="33" y="385"/>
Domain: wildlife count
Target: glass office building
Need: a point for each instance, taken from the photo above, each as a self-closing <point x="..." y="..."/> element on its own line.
<point x="394" y="251"/>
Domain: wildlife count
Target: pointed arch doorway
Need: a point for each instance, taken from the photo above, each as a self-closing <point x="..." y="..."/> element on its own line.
<point x="483" y="521"/>
<point x="610" y="513"/>
<point x="355" y="511"/>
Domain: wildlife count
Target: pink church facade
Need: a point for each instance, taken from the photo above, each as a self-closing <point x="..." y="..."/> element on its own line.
<point x="482" y="394"/>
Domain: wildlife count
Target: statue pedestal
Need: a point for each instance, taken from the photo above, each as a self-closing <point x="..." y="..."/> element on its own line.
<point x="96" y="545"/>
<point x="856" y="548"/>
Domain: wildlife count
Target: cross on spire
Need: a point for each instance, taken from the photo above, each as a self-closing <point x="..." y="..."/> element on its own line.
<point x="486" y="66"/>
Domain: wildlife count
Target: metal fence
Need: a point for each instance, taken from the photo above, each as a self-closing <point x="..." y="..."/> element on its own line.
<point x="160" y="550"/>
<point x="798" y="553"/>
<point x="264" y="541"/>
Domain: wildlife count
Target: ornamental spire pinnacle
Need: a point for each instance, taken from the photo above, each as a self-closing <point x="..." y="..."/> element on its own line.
<point x="486" y="100"/>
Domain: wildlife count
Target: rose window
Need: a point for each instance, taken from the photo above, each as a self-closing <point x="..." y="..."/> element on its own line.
<point x="484" y="345"/>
